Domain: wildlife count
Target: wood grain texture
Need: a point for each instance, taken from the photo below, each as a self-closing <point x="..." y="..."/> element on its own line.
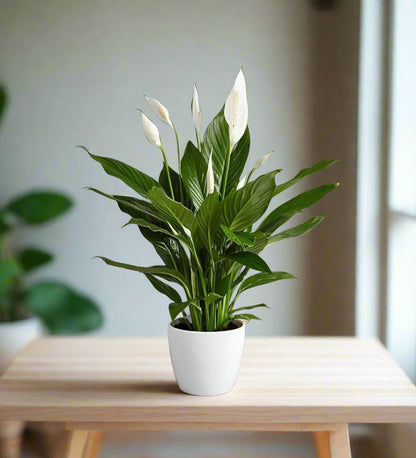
<point x="339" y="443"/>
<point x="282" y="380"/>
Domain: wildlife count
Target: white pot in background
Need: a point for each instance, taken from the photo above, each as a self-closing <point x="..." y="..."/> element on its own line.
<point x="15" y="335"/>
<point x="206" y="363"/>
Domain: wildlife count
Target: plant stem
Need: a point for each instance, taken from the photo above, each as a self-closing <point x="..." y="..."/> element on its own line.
<point x="178" y="148"/>
<point x="179" y="160"/>
<point x="225" y="175"/>
<point x="198" y="139"/>
<point x="165" y="160"/>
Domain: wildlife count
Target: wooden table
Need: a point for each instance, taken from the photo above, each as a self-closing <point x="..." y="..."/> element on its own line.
<point x="285" y="384"/>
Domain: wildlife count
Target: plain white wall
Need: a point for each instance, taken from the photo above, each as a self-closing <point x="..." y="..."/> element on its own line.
<point x="77" y="71"/>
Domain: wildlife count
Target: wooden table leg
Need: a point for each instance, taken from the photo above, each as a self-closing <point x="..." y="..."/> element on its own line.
<point x="339" y="442"/>
<point x="92" y="449"/>
<point x="321" y="440"/>
<point x="333" y="444"/>
<point x="72" y="444"/>
<point x="10" y="438"/>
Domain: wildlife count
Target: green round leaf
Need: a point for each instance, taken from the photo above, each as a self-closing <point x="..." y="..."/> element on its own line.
<point x="39" y="207"/>
<point x="30" y="258"/>
<point x="62" y="309"/>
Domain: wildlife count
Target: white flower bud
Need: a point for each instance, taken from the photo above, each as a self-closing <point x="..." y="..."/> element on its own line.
<point x="242" y="182"/>
<point x="262" y="160"/>
<point x="236" y="109"/>
<point x="187" y="232"/>
<point x="151" y="132"/>
<point x="210" y="176"/>
<point x="159" y="110"/>
<point x="196" y="112"/>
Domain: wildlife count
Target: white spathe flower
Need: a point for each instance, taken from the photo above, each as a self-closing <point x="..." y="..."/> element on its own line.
<point x="210" y="176"/>
<point x="159" y="110"/>
<point x="262" y="160"/>
<point x="242" y="182"/>
<point x="187" y="231"/>
<point x="151" y="132"/>
<point x="236" y="109"/>
<point x="196" y="112"/>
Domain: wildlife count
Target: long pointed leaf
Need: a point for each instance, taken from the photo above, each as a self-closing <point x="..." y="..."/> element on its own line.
<point x="173" y="211"/>
<point x="321" y="165"/>
<point x="175" y="308"/>
<point x="251" y="307"/>
<point x="135" y="179"/>
<point x="251" y="260"/>
<point x="161" y="271"/>
<point x="285" y="211"/>
<point x="207" y="222"/>
<point x="193" y="171"/>
<point x="244" y="207"/>
<point x="240" y="238"/>
<point x="263" y="278"/>
<point x="136" y="208"/>
<point x="301" y="229"/>
<point x="163" y="288"/>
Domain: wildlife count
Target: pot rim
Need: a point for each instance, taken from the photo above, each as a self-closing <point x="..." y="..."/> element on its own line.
<point x="19" y="322"/>
<point x="241" y="325"/>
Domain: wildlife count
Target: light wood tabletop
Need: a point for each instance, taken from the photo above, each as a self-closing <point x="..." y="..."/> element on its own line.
<point x="288" y="383"/>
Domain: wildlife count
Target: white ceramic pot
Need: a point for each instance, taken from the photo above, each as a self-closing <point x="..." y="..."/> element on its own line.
<point x="15" y="335"/>
<point x="206" y="363"/>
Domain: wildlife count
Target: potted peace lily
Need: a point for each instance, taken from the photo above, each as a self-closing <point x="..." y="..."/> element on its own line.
<point x="206" y="223"/>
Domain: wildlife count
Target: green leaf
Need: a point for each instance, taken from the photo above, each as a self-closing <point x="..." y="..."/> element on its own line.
<point x="321" y="165"/>
<point x="240" y="238"/>
<point x="174" y="212"/>
<point x="153" y="227"/>
<point x="207" y="222"/>
<point x="238" y="161"/>
<point x="179" y="190"/>
<point x="160" y="271"/>
<point x="260" y="242"/>
<point x="63" y="310"/>
<point x="9" y="270"/>
<point x="216" y="139"/>
<point x="301" y="229"/>
<point x="212" y="297"/>
<point x="251" y="260"/>
<point x="245" y="206"/>
<point x="170" y="251"/>
<point x="4" y="224"/>
<point x="263" y="278"/>
<point x="250" y="307"/>
<point x="30" y="258"/>
<point x="175" y="308"/>
<point x="39" y="207"/>
<point x="136" y="208"/>
<point x="245" y="316"/>
<point x="3" y="101"/>
<point x="135" y="179"/>
<point x="163" y="288"/>
<point x="194" y="171"/>
<point x="285" y="211"/>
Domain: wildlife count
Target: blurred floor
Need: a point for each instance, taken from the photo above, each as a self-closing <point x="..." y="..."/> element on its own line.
<point x="210" y="444"/>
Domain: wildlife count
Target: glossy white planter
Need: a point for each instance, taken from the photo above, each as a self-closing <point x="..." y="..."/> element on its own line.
<point x="14" y="336"/>
<point x="206" y="363"/>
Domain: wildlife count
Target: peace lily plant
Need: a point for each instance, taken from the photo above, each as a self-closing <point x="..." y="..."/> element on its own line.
<point x="206" y="221"/>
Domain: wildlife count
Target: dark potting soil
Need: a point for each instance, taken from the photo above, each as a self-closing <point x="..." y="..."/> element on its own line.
<point x="230" y="327"/>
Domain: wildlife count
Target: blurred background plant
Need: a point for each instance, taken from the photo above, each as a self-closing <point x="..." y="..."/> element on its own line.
<point x="62" y="309"/>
